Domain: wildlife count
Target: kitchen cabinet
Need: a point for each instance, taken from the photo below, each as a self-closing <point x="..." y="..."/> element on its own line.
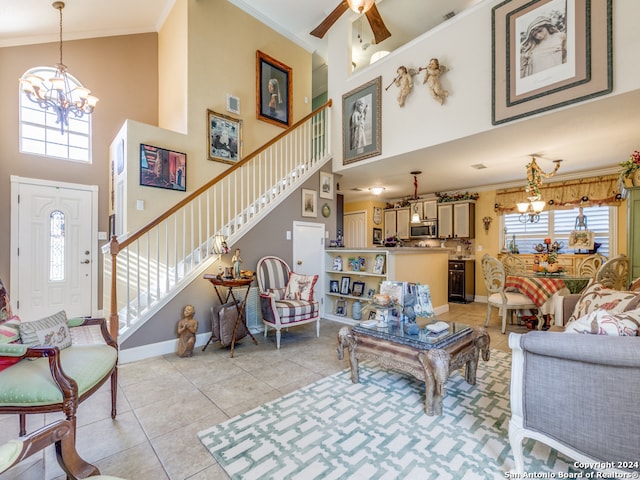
<point x="633" y="226"/>
<point x="396" y="221"/>
<point x="462" y="281"/>
<point x="456" y="220"/>
<point x="430" y="209"/>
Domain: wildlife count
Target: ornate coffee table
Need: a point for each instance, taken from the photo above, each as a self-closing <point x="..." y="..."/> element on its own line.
<point x="419" y="355"/>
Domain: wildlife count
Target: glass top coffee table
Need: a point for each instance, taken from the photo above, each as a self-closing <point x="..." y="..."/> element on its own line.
<point x="427" y="356"/>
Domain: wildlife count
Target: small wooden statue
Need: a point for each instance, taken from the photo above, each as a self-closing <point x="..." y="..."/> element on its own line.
<point x="187" y="328"/>
<point x="237" y="262"/>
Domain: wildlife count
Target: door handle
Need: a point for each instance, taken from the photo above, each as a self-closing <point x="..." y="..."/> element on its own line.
<point x="85" y="261"/>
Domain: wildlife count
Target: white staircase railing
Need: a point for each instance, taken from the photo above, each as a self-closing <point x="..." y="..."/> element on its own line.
<point x="144" y="270"/>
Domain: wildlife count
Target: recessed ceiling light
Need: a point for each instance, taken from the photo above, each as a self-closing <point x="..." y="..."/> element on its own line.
<point x="376" y="190"/>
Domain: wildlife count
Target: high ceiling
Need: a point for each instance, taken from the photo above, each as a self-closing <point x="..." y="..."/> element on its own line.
<point x="593" y="135"/>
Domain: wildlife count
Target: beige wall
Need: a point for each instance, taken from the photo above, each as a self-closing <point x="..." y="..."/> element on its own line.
<point x="121" y="71"/>
<point x="367" y="206"/>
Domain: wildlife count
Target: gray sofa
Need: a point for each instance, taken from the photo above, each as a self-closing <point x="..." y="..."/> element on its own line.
<point x="577" y="393"/>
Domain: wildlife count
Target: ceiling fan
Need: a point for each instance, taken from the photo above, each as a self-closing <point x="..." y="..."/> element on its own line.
<point x="368" y="7"/>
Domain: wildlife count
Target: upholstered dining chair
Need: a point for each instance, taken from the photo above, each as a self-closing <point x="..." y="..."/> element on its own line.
<point x="506" y="302"/>
<point x="590" y="265"/>
<point x="614" y="273"/>
<point x="62" y="434"/>
<point x="513" y="264"/>
<point x="286" y="298"/>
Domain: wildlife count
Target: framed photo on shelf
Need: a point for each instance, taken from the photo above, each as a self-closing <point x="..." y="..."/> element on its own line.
<point x="344" y="285"/>
<point x="274" y="85"/>
<point x="423" y="306"/>
<point x="361" y="122"/>
<point x="341" y="307"/>
<point x="580" y="239"/>
<point x="371" y="292"/>
<point x="224" y="137"/>
<point x="337" y="264"/>
<point x="377" y="236"/>
<point x="326" y="185"/>
<point x="309" y="203"/>
<point x="358" y="289"/>
<point x="334" y="286"/>
<point x="378" y="264"/>
<point x="525" y="80"/>
<point x="163" y="168"/>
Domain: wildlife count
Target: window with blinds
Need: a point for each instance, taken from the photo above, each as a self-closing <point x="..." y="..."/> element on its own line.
<point x="557" y="225"/>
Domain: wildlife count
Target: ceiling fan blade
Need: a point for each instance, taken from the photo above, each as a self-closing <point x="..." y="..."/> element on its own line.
<point x="321" y="30"/>
<point x="380" y="31"/>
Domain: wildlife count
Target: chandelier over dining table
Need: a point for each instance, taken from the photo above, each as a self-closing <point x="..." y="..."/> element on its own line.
<point x="530" y="211"/>
<point x="56" y="92"/>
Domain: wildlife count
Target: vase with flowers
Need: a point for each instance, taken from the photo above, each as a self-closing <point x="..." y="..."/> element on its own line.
<point x="630" y="170"/>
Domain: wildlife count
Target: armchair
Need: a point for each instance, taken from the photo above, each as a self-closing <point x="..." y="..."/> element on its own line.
<point x="578" y="394"/>
<point x="286" y="298"/>
<point x="62" y="434"/>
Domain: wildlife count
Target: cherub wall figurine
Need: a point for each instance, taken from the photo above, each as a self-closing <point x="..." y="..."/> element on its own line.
<point x="187" y="328"/>
<point x="432" y="79"/>
<point x="404" y="82"/>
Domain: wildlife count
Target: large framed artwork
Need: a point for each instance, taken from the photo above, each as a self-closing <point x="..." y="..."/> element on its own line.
<point x="548" y="54"/>
<point x="224" y="137"/>
<point x="163" y="168"/>
<point x="274" y="83"/>
<point x="361" y="122"/>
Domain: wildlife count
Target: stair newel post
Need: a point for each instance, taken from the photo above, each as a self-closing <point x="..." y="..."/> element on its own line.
<point x="114" y="322"/>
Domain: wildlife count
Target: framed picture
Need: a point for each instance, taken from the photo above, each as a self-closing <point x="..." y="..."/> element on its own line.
<point x="344" y="285"/>
<point x="309" y="203"/>
<point x="371" y="292"/>
<point x="274" y="86"/>
<point x="580" y="239"/>
<point x="548" y="54"/>
<point x="163" y="168"/>
<point x="377" y="236"/>
<point x="378" y="264"/>
<point x="224" y="138"/>
<point x="395" y="290"/>
<point x="334" y="286"/>
<point x="423" y="306"/>
<point x="337" y="264"/>
<point x="358" y="289"/>
<point x="361" y="122"/>
<point x="341" y="307"/>
<point x="326" y="185"/>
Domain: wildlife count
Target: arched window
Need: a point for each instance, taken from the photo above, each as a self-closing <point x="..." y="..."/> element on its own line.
<point x="40" y="134"/>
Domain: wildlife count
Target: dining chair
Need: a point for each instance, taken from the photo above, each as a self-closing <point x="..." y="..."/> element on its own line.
<point x="505" y="301"/>
<point x="513" y="264"/>
<point x="614" y="273"/>
<point x="590" y="265"/>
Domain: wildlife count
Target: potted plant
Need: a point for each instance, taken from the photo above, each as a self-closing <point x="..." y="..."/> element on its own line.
<point x="630" y="170"/>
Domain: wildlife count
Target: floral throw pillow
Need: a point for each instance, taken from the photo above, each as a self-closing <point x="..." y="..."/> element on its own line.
<point x="52" y="331"/>
<point x="598" y="297"/>
<point x="300" y="287"/>
<point x="601" y="322"/>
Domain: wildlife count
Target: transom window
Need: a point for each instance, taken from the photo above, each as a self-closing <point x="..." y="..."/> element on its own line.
<point x="557" y="225"/>
<point x="40" y="133"/>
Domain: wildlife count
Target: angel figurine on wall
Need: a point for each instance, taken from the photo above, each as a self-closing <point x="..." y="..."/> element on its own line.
<point x="432" y="79"/>
<point x="404" y="82"/>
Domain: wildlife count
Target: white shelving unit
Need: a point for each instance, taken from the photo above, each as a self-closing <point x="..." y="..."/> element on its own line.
<point x="371" y="281"/>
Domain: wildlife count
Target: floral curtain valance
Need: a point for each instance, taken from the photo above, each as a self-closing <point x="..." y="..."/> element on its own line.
<point x="602" y="190"/>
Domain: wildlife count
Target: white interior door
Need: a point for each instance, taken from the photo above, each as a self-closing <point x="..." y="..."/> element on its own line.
<point x="355" y="230"/>
<point x="308" y="250"/>
<point x="54" y="266"/>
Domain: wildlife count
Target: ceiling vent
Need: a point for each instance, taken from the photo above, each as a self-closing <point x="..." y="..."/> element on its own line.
<point x="479" y="166"/>
<point x="449" y="15"/>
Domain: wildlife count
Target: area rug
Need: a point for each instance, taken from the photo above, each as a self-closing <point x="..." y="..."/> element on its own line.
<point x="377" y="429"/>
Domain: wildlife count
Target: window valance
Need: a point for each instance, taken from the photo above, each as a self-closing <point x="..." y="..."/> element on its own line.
<point x="568" y="194"/>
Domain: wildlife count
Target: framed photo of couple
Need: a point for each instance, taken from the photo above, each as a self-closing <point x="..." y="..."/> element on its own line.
<point x="361" y="122"/>
<point x="548" y="54"/>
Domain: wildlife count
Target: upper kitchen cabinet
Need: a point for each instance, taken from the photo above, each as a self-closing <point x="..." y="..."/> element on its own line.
<point x="456" y="220"/>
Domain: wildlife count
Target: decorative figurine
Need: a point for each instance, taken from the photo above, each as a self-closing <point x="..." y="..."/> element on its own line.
<point x="432" y="79"/>
<point x="187" y="328"/>
<point x="404" y="82"/>
<point x="237" y="261"/>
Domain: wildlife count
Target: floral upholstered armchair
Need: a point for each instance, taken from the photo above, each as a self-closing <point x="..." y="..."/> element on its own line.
<point x="286" y="298"/>
<point x="54" y="363"/>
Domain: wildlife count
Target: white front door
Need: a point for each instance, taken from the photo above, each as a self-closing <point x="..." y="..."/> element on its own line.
<point x="54" y="262"/>
<point x="308" y="249"/>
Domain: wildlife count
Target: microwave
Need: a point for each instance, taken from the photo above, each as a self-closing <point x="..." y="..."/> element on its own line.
<point x="424" y="229"/>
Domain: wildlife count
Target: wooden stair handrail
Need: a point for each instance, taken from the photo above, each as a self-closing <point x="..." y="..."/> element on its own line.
<point x="115" y="246"/>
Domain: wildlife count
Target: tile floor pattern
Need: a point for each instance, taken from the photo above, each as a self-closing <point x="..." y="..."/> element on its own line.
<point x="164" y="401"/>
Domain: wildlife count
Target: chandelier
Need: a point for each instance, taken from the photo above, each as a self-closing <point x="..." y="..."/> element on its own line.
<point x="360" y="6"/>
<point x="530" y="211"/>
<point x="56" y="92"/>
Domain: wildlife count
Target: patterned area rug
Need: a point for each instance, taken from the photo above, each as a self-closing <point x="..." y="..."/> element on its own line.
<point x="377" y="429"/>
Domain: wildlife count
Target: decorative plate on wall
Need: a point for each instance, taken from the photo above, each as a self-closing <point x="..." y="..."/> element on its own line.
<point x="326" y="210"/>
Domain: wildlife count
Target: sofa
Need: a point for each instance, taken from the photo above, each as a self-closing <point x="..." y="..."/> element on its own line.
<point x="576" y="390"/>
<point x="53" y="364"/>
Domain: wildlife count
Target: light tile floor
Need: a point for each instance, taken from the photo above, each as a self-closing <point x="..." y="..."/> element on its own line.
<point x="164" y="401"/>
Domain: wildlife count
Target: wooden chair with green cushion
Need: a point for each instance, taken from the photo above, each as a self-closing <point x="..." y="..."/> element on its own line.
<point x="60" y="372"/>
<point x="62" y="434"/>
